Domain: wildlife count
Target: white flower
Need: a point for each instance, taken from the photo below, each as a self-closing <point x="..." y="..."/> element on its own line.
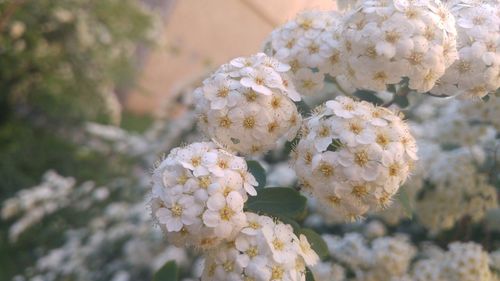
<point x="280" y="240"/>
<point x="247" y="105"/>
<point x="221" y="91"/>
<point x="308" y="82"/>
<point x="198" y="195"/>
<point x="309" y="255"/>
<point x="178" y="212"/>
<point x="261" y="80"/>
<point x="224" y="213"/>
<point x="353" y="156"/>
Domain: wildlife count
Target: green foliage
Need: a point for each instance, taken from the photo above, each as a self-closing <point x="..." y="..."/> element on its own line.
<point x="369" y="96"/>
<point x="60" y="58"/>
<point x="309" y="275"/>
<point x="278" y="202"/>
<point x="401" y="100"/>
<point x="135" y="123"/>
<point x="258" y="172"/>
<point x="168" y="272"/>
<point x="303" y="108"/>
<point x="317" y="242"/>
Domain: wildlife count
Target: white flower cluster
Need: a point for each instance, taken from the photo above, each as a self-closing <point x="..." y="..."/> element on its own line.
<point x="310" y="45"/>
<point x="462" y="262"/>
<point x="456" y="191"/>
<point x="386" y="258"/>
<point x="263" y="250"/>
<point x="247" y="104"/>
<point x="477" y="70"/>
<point x="384" y="41"/>
<point x="121" y="236"/>
<point x="37" y="202"/>
<point x="198" y="195"/>
<point x="482" y="112"/>
<point x="354" y="156"/>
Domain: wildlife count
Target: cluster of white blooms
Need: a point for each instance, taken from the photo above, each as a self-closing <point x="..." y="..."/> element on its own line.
<point x="457" y="141"/>
<point x="483" y="112"/>
<point x="477" y="70"/>
<point x="121" y="236"/>
<point x="353" y="156"/>
<point x="456" y="191"/>
<point x="106" y="138"/>
<point x="247" y="104"/>
<point x="264" y="250"/>
<point x="310" y="45"/>
<point x="385" y="41"/>
<point x="386" y="258"/>
<point x="198" y="195"/>
<point x="30" y="206"/>
<point x="462" y="262"/>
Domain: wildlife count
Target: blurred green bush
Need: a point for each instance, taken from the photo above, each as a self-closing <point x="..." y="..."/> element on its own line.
<point x="60" y="59"/>
<point x="61" y="63"/>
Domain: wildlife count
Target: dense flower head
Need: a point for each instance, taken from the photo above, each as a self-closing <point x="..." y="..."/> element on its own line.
<point x="386" y="41"/>
<point x="380" y="259"/>
<point x="462" y="262"/>
<point x="353" y="156"/>
<point x="264" y="250"/>
<point x="466" y="262"/>
<point x="477" y="70"/>
<point x="247" y="104"/>
<point x="198" y="195"/>
<point x="309" y="43"/>
<point x="455" y="190"/>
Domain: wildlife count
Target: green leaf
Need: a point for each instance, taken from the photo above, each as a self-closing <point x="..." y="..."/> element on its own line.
<point x="290" y="145"/>
<point x="369" y="96"/>
<point x="401" y="100"/>
<point x="258" y="172"/>
<point x="404" y="199"/>
<point x="309" y="275"/>
<point x="277" y="201"/>
<point x="317" y="242"/>
<point x="335" y="145"/>
<point x="168" y="272"/>
<point x="303" y="108"/>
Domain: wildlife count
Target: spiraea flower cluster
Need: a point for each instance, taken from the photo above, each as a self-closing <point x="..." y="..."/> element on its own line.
<point x="477" y="70"/>
<point x="247" y="104"/>
<point x="384" y="258"/>
<point x="455" y="190"/>
<point x="353" y="156"/>
<point x="198" y="195"/>
<point x="462" y="262"/>
<point x="264" y="250"/>
<point x="310" y="45"/>
<point x="386" y="41"/>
